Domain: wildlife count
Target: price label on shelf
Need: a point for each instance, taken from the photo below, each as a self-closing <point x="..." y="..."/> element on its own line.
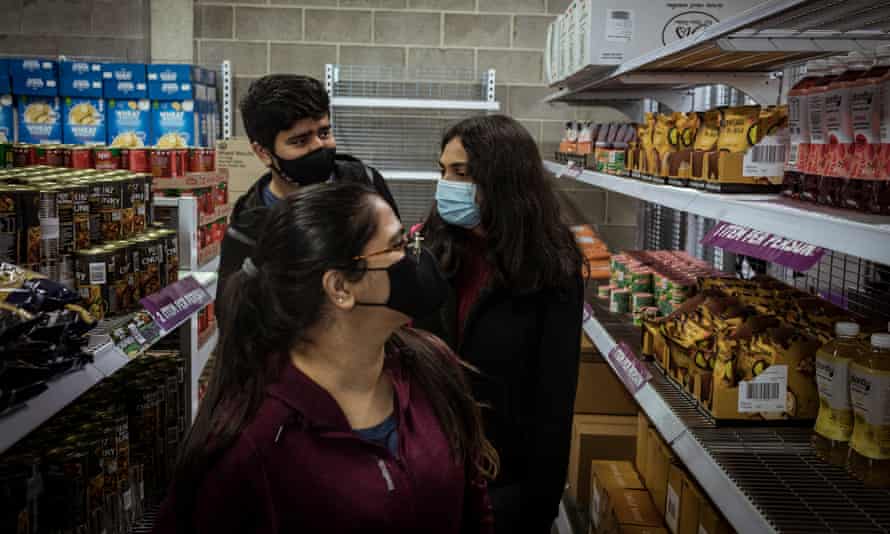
<point x="790" y="253"/>
<point x="587" y="313"/>
<point x="176" y="302"/>
<point x="628" y="367"/>
<point x="571" y="169"/>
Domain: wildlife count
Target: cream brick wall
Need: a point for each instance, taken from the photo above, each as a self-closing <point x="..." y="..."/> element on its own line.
<point x="264" y="36"/>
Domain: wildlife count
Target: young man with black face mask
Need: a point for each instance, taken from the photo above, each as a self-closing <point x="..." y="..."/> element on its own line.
<point x="287" y="119"/>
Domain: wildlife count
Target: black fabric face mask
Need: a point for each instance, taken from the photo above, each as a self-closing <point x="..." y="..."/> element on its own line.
<point x="313" y="168"/>
<point x="416" y="286"/>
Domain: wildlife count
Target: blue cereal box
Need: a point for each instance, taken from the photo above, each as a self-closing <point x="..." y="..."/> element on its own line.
<point x="124" y="80"/>
<point x="5" y="85"/>
<point x="40" y="120"/>
<point x="7" y="120"/>
<point x="80" y="78"/>
<point x="129" y="123"/>
<point x="172" y="82"/>
<point x="34" y="77"/>
<point x="173" y="124"/>
<point x="83" y="121"/>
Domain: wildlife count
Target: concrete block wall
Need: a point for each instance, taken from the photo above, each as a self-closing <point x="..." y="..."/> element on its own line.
<point x="101" y="29"/>
<point x="265" y="36"/>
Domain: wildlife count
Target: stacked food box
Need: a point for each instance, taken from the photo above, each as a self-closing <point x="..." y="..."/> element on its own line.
<point x="118" y="104"/>
<point x="596" y="253"/>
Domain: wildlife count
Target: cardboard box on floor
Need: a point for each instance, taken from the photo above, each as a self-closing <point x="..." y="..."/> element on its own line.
<point x="710" y="521"/>
<point x="659" y="458"/>
<point x="607" y="477"/>
<point x="599" y="390"/>
<point x="631" y="507"/>
<point x="643" y="427"/>
<point x="597" y="437"/>
<point x="672" y="509"/>
<point x="690" y="506"/>
<point x="635" y="529"/>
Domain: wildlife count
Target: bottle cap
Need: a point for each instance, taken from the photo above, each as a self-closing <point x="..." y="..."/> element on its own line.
<point x="846" y="329"/>
<point x="880" y="341"/>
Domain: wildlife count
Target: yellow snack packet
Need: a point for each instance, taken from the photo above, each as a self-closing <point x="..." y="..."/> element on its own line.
<point x="739" y="128"/>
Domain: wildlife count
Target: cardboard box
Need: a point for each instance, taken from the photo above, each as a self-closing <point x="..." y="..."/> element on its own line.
<point x="34" y="77"/>
<point x="672" y="509"/>
<point x="245" y="168"/>
<point x="40" y="120"/>
<point x="83" y="121"/>
<point x="124" y="81"/>
<point x="732" y="172"/>
<point x="5" y="85"/>
<point x="7" y="120"/>
<point x="597" y="437"/>
<point x="171" y="82"/>
<point x="643" y="427"/>
<point x="174" y="124"/>
<point x="607" y="477"/>
<point x="634" y="529"/>
<point x="690" y="506"/>
<point x="587" y="348"/>
<point x="129" y="123"/>
<point x="631" y="507"/>
<point x="658" y="465"/>
<point x="600" y="391"/>
<point x="80" y="79"/>
<point x="710" y="521"/>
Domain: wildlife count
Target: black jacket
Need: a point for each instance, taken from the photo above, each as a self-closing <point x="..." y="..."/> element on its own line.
<point x="250" y="212"/>
<point x="526" y="346"/>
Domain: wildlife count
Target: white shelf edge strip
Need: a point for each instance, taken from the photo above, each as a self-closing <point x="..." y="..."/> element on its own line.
<point x="63" y="390"/>
<point x="737" y="508"/>
<point x="830" y="229"/>
<point x="413" y="103"/>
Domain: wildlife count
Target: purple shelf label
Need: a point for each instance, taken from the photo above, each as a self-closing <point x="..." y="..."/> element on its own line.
<point x="790" y="253"/>
<point x="176" y="302"/>
<point x="628" y="367"/>
<point x="587" y="313"/>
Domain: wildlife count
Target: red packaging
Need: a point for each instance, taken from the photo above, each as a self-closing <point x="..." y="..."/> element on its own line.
<point x="40" y="154"/>
<point x="24" y="155"/>
<point x="107" y="159"/>
<point x="209" y="157"/>
<point x="55" y="156"/>
<point x="218" y="232"/>
<point x="181" y="160"/>
<point x="162" y="163"/>
<point x="138" y="160"/>
<point x="202" y="237"/>
<point x="206" y="204"/>
<point x="221" y="193"/>
<point x="79" y="158"/>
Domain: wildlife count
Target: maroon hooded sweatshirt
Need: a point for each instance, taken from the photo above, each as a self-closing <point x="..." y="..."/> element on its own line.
<point x="298" y="468"/>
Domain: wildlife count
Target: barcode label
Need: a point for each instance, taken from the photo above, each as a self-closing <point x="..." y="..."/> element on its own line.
<point x="766" y="393"/>
<point x="768" y="154"/>
<point x="98" y="273"/>
<point x="672" y="510"/>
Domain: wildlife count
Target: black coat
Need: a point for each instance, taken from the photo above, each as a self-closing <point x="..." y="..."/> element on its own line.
<point x="250" y="212"/>
<point x="526" y="346"/>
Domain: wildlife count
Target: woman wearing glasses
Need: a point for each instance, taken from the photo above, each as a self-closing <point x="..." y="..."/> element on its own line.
<point x="514" y="308"/>
<point x="324" y="414"/>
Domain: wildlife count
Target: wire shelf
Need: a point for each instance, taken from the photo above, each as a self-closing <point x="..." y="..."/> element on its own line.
<point x="422" y="82"/>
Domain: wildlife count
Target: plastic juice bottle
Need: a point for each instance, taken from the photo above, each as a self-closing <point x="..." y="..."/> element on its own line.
<point x="839" y="129"/>
<point x="818" y="136"/>
<point x="799" y="128"/>
<point x="869" y="458"/>
<point x="834" y="425"/>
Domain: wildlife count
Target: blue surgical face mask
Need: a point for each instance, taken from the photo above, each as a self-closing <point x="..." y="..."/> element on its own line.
<point x="456" y="203"/>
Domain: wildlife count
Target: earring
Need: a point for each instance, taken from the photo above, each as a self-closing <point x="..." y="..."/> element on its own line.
<point x="339" y="299"/>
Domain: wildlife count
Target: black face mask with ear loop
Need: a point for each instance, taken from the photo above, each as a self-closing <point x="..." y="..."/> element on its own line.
<point x="416" y="285"/>
<point x="313" y="168"/>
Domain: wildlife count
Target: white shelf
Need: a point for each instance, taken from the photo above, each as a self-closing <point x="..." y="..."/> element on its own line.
<point x="63" y="390"/>
<point x="741" y="51"/>
<point x="730" y="500"/>
<point x="861" y="235"/>
<point x="413" y="103"/>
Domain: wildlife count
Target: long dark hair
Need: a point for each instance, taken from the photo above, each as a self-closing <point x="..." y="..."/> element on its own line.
<point x="317" y="229"/>
<point x="528" y="245"/>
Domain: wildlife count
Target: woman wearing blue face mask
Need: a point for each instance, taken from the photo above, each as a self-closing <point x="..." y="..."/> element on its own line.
<point x="514" y="309"/>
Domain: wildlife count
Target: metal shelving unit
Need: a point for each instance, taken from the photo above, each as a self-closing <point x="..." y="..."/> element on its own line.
<point x="861" y="235"/>
<point x="107" y="359"/>
<point x="763" y="479"/>
<point x="745" y="51"/>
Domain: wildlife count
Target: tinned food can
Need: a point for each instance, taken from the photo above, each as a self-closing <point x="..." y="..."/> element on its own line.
<point x="111" y="210"/>
<point x="201" y="159"/>
<point x="95" y="270"/>
<point x="79" y="157"/>
<point x="6" y="156"/>
<point x="136" y="160"/>
<point x="64" y="490"/>
<point x="24" y="155"/>
<point x="107" y="158"/>
<point x="181" y="159"/>
<point x="163" y="164"/>
<point x="50" y="231"/>
<point x="148" y="261"/>
<point x="131" y="187"/>
<point x="40" y="154"/>
<point x="55" y="156"/>
<point x="142" y="203"/>
<point x="170" y="241"/>
<point x="124" y="286"/>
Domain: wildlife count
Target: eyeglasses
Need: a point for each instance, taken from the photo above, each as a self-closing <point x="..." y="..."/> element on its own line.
<point x="411" y="245"/>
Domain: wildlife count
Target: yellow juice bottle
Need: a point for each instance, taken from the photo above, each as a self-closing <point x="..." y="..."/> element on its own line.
<point x="834" y="425"/>
<point x="869" y="458"/>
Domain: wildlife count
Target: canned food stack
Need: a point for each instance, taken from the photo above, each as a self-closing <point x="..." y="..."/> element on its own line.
<point x="116" y="458"/>
<point x="651" y="283"/>
<point x="161" y="162"/>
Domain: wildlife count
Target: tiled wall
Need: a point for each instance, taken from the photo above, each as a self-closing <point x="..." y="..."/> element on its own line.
<point x="102" y="29"/>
